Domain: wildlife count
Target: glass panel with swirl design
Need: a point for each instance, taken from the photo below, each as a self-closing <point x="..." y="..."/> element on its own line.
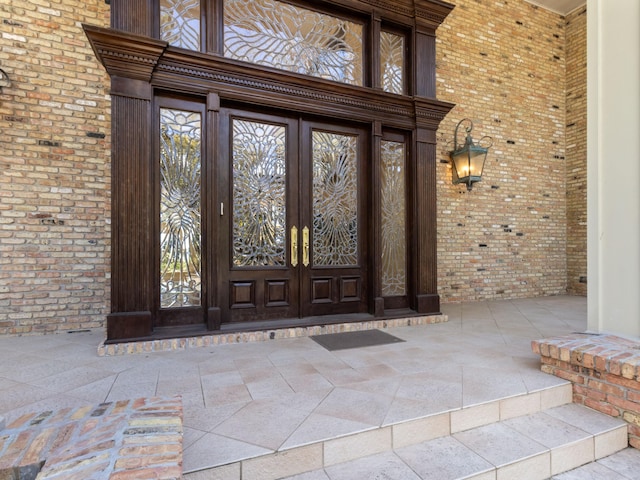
<point x="180" y="212"/>
<point x="259" y="194"/>
<point x="335" y="199"/>
<point x="392" y="62"/>
<point x="180" y="23"/>
<point x="394" y="260"/>
<point x="285" y="36"/>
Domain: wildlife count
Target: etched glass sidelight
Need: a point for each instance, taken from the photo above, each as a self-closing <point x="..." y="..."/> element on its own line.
<point x="259" y="194"/>
<point x="394" y="260"/>
<point x="180" y="23"/>
<point x="392" y="62"/>
<point x="335" y="199"/>
<point x="285" y="36"/>
<point x="180" y="212"/>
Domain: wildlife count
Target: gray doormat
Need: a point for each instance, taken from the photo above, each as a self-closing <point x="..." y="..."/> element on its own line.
<point x="361" y="338"/>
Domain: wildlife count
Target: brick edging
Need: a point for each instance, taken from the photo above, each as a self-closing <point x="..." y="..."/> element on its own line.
<point x="604" y="371"/>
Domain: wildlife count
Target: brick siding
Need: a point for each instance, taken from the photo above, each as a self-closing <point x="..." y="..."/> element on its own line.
<point x="577" y="151"/>
<point x="54" y="168"/>
<point x="502" y="62"/>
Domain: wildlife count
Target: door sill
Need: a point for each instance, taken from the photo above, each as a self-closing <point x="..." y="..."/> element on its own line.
<point x="295" y="322"/>
<point x="200" y="329"/>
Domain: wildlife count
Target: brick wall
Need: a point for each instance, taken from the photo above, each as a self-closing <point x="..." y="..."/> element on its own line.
<point x="576" y="136"/>
<point x="503" y="64"/>
<point x="507" y="238"/>
<point x="54" y="168"/>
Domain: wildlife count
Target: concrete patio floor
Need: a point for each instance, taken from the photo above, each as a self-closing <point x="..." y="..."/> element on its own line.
<point x="245" y="400"/>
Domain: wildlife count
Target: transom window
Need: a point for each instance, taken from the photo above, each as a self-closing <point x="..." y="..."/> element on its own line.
<point x="278" y="34"/>
<point x="180" y="23"/>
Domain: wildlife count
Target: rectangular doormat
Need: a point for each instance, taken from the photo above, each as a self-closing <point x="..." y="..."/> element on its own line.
<point x="358" y="339"/>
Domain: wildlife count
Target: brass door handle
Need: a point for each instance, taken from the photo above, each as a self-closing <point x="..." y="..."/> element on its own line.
<point x="294" y="246"/>
<point x="305" y="246"/>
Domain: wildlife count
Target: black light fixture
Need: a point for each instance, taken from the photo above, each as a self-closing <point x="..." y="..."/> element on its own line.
<point x="4" y="80"/>
<point x="467" y="161"/>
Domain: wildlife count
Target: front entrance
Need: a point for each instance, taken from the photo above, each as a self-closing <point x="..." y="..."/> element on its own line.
<point x="293" y="229"/>
<point x="298" y="142"/>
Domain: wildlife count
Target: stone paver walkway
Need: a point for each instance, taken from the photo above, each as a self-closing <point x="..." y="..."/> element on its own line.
<point x="244" y="400"/>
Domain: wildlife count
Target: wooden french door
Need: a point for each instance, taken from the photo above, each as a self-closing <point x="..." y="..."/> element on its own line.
<point x="292" y="230"/>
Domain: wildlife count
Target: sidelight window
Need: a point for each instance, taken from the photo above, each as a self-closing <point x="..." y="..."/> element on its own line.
<point x="393" y="235"/>
<point x="180" y="210"/>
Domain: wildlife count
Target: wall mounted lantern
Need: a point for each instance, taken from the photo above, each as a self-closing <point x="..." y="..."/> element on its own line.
<point x="4" y="80"/>
<point x="467" y="161"/>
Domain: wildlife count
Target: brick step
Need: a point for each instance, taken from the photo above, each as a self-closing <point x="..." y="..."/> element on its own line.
<point x="535" y="435"/>
<point x="123" y="440"/>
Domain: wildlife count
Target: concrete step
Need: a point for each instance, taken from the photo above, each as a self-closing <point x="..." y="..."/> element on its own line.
<point x="623" y="465"/>
<point x="531" y="436"/>
<point x="532" y="447"/>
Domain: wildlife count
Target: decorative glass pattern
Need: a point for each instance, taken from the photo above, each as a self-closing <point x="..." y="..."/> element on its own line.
<point x="392" y="62"/>
<point x="180" y="23"/>
<point x="285" y="36"/>
<point x="180" y="213"/>
<point x="259" y="194"/>
<point x="394" y="259"/>
<point x="335" y="199"/>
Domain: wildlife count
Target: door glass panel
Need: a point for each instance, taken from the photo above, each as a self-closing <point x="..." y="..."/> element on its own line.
<point x="285" y="36"/>
<point x="259" y="194"/>
<point x="394" y="260"/>
<point x="392" y="62"/>
<point x="335" y="199"/>
<point x="180" y="213"/>
<point x="180" y="23"/>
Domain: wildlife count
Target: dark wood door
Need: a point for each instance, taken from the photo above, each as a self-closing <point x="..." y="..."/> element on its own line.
<point x="334" y="209"/>
<point x="292" y="230"/>
<point x="258" y="156"/>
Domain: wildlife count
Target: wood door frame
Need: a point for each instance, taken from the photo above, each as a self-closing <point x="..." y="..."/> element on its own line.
<point x="140" y="66"/>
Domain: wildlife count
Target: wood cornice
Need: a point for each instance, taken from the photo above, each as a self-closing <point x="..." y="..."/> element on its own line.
<point x="124" y="54"/>
<point x="430" y="112"/>
<point x="431" y="13"/>
<point x="140" y="58"/>
<point x="234" y="80"/>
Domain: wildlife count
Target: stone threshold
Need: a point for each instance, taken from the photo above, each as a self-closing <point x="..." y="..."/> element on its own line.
<point x="225" y="338"/>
